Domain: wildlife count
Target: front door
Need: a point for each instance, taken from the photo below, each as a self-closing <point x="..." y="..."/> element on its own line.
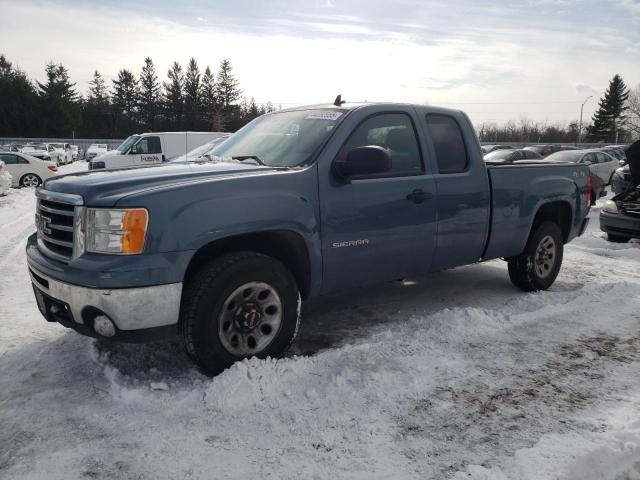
<point x="383" y="228"/>
<point x="147" y="151"/>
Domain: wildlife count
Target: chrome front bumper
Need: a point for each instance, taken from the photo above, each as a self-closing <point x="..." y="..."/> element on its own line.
<point x="128" y="308"/>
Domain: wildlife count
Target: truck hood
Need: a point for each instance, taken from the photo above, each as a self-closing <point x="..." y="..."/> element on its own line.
<point x="106" y="187"/>
<point x="102" y="154"/>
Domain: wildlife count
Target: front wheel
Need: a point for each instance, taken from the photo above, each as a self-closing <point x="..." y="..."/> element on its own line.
<point x="241" y="305"/>
<point x="538" y="266"/>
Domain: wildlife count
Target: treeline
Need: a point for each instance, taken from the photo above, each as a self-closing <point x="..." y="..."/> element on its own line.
<point x="527" y="131"/>
<point x="189" y="99"/>
<point x="617" y="120"/>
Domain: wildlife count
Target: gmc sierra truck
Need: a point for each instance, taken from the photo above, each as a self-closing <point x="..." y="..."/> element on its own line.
<point x="296" y="204"/>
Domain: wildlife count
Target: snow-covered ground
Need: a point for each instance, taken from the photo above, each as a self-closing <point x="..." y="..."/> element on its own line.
<point x="460" y="376"/>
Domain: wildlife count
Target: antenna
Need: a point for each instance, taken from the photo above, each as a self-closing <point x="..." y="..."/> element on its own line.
<point x="338" y="101"/>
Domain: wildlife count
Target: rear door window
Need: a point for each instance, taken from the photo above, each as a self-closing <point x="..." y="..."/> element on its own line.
<point x="448" y="143"/>
<point x="9" y="159"/>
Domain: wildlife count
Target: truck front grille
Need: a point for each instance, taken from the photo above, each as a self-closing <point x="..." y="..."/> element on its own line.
<point x="55" y="219"/>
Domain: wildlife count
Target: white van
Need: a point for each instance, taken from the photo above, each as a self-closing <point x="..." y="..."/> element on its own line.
<point x="152" y="148"/>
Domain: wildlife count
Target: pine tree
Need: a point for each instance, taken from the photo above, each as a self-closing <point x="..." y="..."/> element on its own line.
<point x="98" y="93"/>
<point x="125" y="97"/>
<point x="149" y="94"/>
<point x="19" y="112"/>
<point x="173" y="97"/>
<point x="192" y="101"/>
<point x="609" y="119"/>
<point x="208" y="99"/>
<point x="97" y="118"/>
<point x="228" y="94"/>
<point x="59" y="102"/>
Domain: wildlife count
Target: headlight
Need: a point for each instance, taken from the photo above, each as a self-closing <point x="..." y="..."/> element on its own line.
<point x="118" y="231"/>
<point x="610" y="207"/>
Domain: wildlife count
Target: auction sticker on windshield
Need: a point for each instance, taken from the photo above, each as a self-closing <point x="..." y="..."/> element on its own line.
<point x="324" y="115"/>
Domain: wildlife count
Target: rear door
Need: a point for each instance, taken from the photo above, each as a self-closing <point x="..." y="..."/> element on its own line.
<point x="462" y="186"/>
<point x="608" y="165"/>
<point x="380" y="228"/>
<point x="15" y="165"/>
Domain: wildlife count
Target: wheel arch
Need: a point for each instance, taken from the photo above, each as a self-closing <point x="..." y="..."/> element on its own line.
<point x="559" y="212"/>
<point x="286" y="246"/>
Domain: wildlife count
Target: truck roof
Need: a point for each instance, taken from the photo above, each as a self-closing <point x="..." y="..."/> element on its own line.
<point x="348" y="106"/>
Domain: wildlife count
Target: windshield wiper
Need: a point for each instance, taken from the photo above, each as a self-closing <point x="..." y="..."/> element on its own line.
<point x="242" y="158"/>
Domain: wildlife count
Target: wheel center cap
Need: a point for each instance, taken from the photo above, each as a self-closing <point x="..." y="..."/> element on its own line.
<point x="248" y="316"/>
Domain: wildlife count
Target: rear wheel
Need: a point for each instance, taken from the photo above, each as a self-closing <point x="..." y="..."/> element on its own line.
<point x="616" y="238"/>
<point x="240" y="305"/>
<point x="538" y="266"/>
<point x="30" y="180"/>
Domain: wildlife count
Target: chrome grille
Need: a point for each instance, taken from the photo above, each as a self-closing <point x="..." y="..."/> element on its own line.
<point x="56" y="215"/>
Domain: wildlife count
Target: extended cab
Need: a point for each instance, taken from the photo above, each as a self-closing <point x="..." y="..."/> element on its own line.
<point x="152" y="148"/>
<point x="298" y="203"/>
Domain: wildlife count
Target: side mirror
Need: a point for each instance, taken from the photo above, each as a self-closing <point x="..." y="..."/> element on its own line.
<point x="362" y="161"/>
<point x="134" y="150"/>
<point x="622" y="163"/>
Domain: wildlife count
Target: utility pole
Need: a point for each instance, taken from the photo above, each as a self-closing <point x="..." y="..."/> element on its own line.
<point x="580" y="125"/>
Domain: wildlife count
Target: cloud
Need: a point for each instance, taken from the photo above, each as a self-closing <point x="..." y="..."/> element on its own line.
<point x="289" y="52"/>
<point x="631" y="5"/>
<point x="585" y="89"/>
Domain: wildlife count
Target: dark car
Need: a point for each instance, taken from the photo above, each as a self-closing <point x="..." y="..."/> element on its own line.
<point x="508" y="156"/>
<point x="545" y="150"/>
<point x="620" y="216"/>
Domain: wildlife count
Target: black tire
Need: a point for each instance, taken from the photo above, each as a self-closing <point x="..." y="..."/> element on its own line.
<point x="27" y="176"/>
<point x="527" y="271"/>
<point x="204" y="298"/>
<point x="617" y="238"/>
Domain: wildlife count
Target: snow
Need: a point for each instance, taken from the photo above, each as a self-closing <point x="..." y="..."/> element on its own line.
<point x="459" y="376"/>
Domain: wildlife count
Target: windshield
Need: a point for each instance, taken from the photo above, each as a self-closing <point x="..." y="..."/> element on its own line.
<point x="126" y="145"/>
<point x="565" y="156"/>
<point x="284" y="139"/>
<point x="57" y="145"/>
<point x="499" y="155"/>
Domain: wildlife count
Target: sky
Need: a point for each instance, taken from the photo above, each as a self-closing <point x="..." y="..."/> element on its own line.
<point x="498" y="61"/>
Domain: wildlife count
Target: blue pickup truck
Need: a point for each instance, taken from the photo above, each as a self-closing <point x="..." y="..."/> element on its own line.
<point x="298" y="203"/>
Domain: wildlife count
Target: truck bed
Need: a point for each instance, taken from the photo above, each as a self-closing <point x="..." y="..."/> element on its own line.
<point x="519" y="190"/>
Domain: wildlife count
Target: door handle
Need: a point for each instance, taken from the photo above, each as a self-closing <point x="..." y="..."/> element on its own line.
<point x="419" y="196"/>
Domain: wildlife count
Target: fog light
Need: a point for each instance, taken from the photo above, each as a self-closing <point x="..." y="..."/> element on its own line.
<point x="103" y="326"/>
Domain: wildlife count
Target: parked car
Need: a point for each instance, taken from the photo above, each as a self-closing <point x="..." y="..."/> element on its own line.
<point x="28" y="171"/>
<point x="152" y="148"/>
<point x="94" y="150"/>
<point x="203" y="152"/>
<point x="298" y="203"/>
<point x="507" y="156"/>
<point x="5" y="179"/>
<point x="600" y="163"/>
<point x="546" y="150"/>
<point x="75" y="153"/>
<point x="65" y="153"/>
<point x="620" y="216"/>
<point x="491" y="148"/>
<point x="9" y="148"/>
<point x="616" y="152"/>
<point x="43" y="151"/>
